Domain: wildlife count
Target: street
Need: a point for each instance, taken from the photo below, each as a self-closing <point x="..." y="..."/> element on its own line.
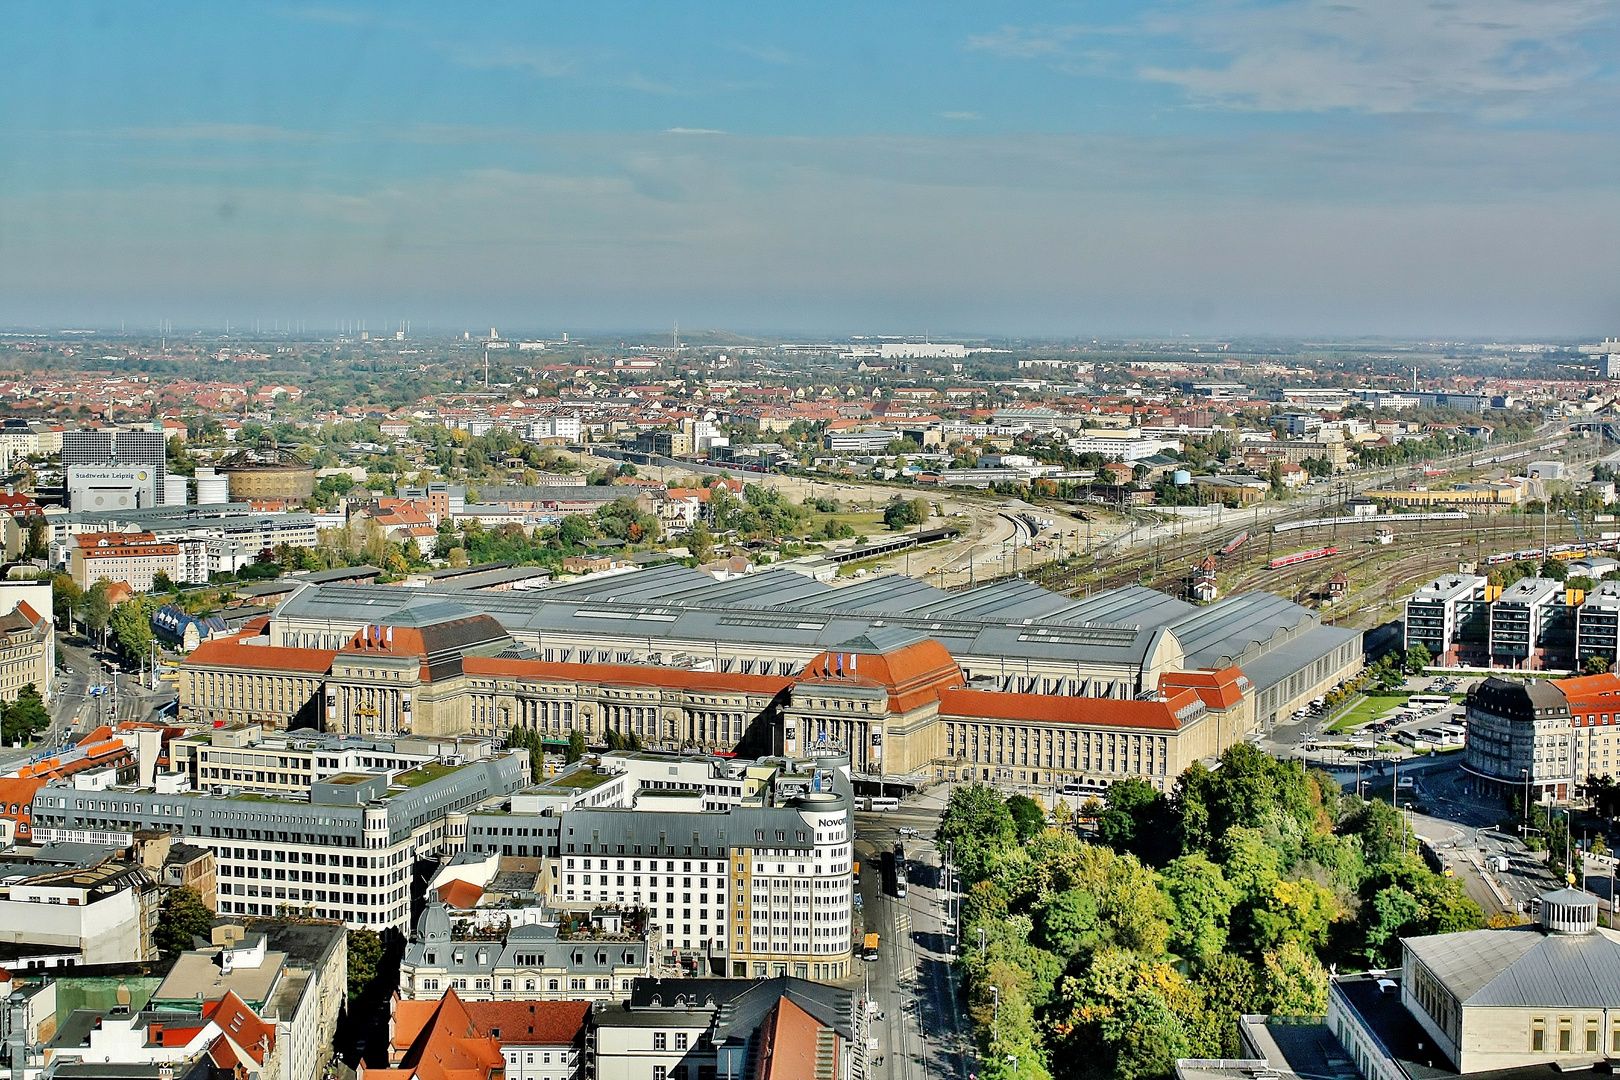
<point x="76" y="711"/>
<point x="924" y="1030"/>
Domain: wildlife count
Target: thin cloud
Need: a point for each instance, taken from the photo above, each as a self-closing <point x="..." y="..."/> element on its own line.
<point x="243" y="133"/>
<point x="1490" y="58"/>
<point x="694" y="131"/>
<point x="768" y="54"/>
<point x="960" y="115"/>
<point x="538" y="62"/>
<point x="1390" y="56"/>
<point x="1036" y="42"/>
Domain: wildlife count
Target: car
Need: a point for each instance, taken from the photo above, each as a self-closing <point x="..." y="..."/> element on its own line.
<point x="907" y="832"/>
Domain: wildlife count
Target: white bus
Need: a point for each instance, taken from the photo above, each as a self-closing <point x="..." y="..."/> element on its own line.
<point x="879" y="804"/>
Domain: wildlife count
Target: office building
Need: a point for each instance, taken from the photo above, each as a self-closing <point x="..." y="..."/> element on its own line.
<point x="756" y="889"/>
<point x="241" y="758"/>
<point x="111" y="487"/>
<point x="345" y="851"/>
<point x="132" y="558"/>
<point x="117" y="450"/>
<point x="1520" y="738"/>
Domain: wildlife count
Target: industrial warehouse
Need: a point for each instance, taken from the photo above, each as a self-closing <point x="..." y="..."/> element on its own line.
<point x="1007" y="682"/>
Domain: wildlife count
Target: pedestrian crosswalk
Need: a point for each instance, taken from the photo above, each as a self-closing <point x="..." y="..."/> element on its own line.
<point x="902" y="923"/>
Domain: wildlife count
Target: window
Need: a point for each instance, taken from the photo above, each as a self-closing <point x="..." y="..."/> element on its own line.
<point x="680" y="1040"/>
<point x="1538" y="1035"/>
<point x="1565" y="1034"/>
<point x="660" y="1041"/>
<point x="1591" y="1036"/>
<point x="660" y="1073"/>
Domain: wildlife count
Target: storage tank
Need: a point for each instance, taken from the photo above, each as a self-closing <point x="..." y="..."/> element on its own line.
<point x="212" y="488"/>
<point x="1181" y="477"/>
<point x="174" y="491"/>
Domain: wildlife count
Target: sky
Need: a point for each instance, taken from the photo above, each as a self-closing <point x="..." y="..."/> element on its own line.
<point x="1205" y="167"/>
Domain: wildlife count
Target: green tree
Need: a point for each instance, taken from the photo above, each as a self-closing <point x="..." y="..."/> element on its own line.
<point x="1557" y="569"/>
<point x="1201" y="900"/>
<point x="365" y="954"/>
<point x="24" y="717"/>
<point x="1067" y="922"/>
<point x="700" y="542"/>
<point x="66" y="599"/>
<point x="1418" y="658"/>
<point x="1138" y="819"/>
<point x="97" y="607"/>
<point x="131" y="625"/>
<point x="979" y="828"/>
<point x="1596" y="665"/>
<point x="1293" y="981"/>
<point x="38" y="544"/>
<point x="1029" y="816"/>
<point x="184" y="917"/>
<point x="903" y="513"/>
<point x="576" y="746"/>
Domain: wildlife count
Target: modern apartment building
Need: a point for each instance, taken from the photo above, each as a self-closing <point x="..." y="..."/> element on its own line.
<point x="1597" y="625"/>
<point x="1441" y="613"/>
<point x="345" y="851"/>
<point x="1521" y="617"/>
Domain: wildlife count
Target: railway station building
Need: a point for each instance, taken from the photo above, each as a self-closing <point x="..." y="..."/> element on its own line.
<point x="887" y="670"/>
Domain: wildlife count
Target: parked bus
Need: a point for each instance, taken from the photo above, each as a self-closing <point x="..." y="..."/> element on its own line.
<point x="880" y="804"/>
<point x="1428" y="699"/>
<point x="869" y="947"/>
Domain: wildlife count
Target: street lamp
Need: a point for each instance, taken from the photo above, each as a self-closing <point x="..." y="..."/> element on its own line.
<point x="1526" y="774"/>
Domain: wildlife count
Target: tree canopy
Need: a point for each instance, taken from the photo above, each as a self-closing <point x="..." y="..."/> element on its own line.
<point x="1230" y="895"/>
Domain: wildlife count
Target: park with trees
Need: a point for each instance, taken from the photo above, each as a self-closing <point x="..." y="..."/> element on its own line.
<point x="1112" y="957"/>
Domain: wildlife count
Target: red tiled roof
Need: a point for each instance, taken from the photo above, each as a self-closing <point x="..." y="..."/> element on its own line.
<point x="913" y="674"/>
<point x="1220" y="689"/>
<point x="788" y="1043"/>
<point x="242" y="1026"/>
<point x="1590" y="690"/>
<point x="531" y="1023"/>
<point x="235" y="652"/>
<point x="460" y="894"/>
<point x="1056" y="709"/>
<point x="449" y="1047"/>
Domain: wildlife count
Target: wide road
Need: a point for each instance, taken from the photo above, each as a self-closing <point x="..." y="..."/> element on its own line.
<point x="921" y="1025"/>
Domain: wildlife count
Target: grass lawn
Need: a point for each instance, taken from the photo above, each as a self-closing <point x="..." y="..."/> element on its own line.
<point x="869" y="525"/>
<point x="1368" y="709"/>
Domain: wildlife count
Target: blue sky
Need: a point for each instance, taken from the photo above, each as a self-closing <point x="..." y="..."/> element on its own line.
<point x="1288" y="166"/>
